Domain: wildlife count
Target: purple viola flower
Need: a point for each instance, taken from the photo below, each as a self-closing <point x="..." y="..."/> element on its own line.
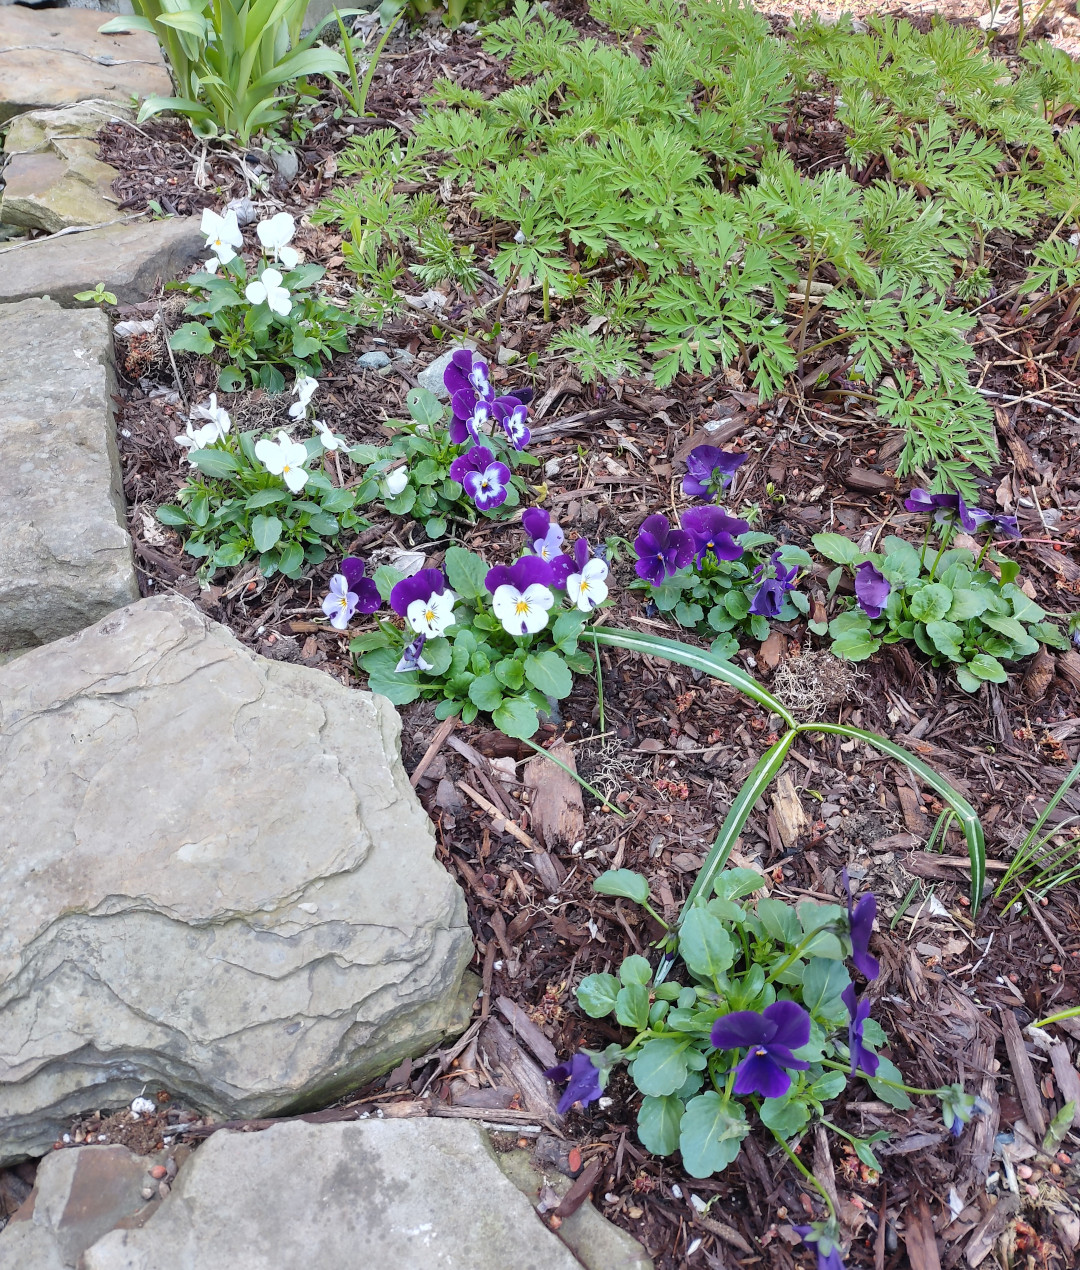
<point x="367" y="595"/>
<point x="545" y="537"/>
<point x="340" y="604"/>
<point x="823" y="1238"/>
<point x="1005" y="526"/>
<point x="522" y="574"/>
<point x="661" y="550"/>
<point x="714" y="530"/>
<point x="862" y="1059"/>
<point x="411" y="656"/>
<point x="769" y="1038"/>
<point x="708" y="469"/>
<point x="871" y="589"/>
<point x="421" y="586"/>
<point x="946" y="508"/>
<point x="484" y="479"/>
<point x="514" y="423"/>
<point x="770" y="595"/>
<point x="584" y="1081"/>
<point x="467" y="370"/>
<point x="861" y="925"/>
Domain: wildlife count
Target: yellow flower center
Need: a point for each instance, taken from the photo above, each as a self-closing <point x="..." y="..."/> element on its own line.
<point x="521" y="608"/>
<point x="285" y="469"/>
<point x="429" y="615"/>
<point x="584" y="585"/>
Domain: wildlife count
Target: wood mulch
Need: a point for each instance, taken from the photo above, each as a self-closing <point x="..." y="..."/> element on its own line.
<point x="672" y="748"/>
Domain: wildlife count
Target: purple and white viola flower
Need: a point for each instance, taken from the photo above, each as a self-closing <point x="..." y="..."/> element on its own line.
<point x="411" y="658"/>
<point x="340" y="604"/>
<point x="478" y="424"/>
<point x="588" y="586"/>
<point x="521" y="594"/>
<point x="769" y="1039"/>
<point x="515" y="425"/>
<point x="770" y="596"/>
<point x="713" y="530"/>
<point x="368" y="599"/>
<point x="946" y="508"/>
<point x="708" y="469"/>
<point x="661" y="550"/>
<point x="544" y="535"/>
<point x="425" y="602"/>
<point x="484" y="479"/>
<point x="872" y="589"/>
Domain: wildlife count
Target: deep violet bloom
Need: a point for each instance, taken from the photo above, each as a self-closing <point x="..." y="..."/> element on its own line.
<point x="421" y="586"/>
<point x="946" y="507"/>
<point x="770" y="596"/>
<point x="825" y="1245"/>
<point x="661" y="550"/>
<point x="484" y="479"/>
<point x="522" y="574"/>
<point x="411" y="656"/>
<point x="584" y="1078"/>
<point x="367" y="595"/>
<point x="861" y="924"/>
<point x="708" y="469"/>
<point x="545" y="537"/>
<point x="862" y="1059"/>
<point x="769" y="1038"/>
<point x="714" y="530"/>
<point x="871" y="589"/>
<point x="1005" y="526"/>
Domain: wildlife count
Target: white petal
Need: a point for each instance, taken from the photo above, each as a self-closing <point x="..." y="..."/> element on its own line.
<point x="211" y="223"/>
<point x="276" y="231"/>
<point x="255" y="292"/>
<point x="595" y="570"/>
<point x="397" y="480"/>
<point x="270" y="456"/>
<point x="290" y="257"/>
<point x="504" y="602"/>
<point x="538" y="596"/>
<point x="295" y="479"/>
<point x="224" y="252"/>
<point x="230" y="229"/>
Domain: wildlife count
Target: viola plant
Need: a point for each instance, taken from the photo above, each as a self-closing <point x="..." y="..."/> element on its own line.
<point x="461" y="467"/>
<point x="763" y="1022"/>
<point x="259" y="497"/>
<point x="961" y="607"/>
<point x="710" y="575"/>
<point x="502" y="640"/>
<point x="259" y="321"/>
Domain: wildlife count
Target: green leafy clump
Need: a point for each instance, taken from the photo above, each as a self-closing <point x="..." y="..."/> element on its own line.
<point x="236" y="510"/>
<point x="736" y="955"/>
<point x="477" y="666"/>
<point x="254" y="340"/>
<point x="654" y="160"/>
<point x="957" y="612"/>
<point x="411" y="475"/>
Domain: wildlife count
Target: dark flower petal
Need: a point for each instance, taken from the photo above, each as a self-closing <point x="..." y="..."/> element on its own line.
<point x="791" y="1023"/>
<point x="368" y="599"/>
<point x="741" y="1028"/>
<point x="861" y="922"/>
<point x="354" y="570"/>
<point x="871" y="589"/>
<point x="584" y="1078"/>
<point x="421" y="586"/>
<point x="536" y="522"/>
<point x="478" y="459"/>
<point x="562" y="566"/>
<point x="759" y="1073"/>
<point x="521" y="574"/>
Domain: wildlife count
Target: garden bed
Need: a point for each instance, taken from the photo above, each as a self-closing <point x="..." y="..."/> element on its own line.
<point x="675" y="746"/>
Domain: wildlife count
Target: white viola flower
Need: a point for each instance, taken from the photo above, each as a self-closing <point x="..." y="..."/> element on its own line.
<point x="395" y="481"/>
<point x="223" y="234"/>
<point x="215" y="415"/>
<point x="275" y="233"/>
<point x="212" y="265"/>
<point x="269" y="291"/>
<point x="198" y="438"/>
<point x="588" y="588"/>
<point x="522" y="612"/>
<point x="285" y="458"/>
<point x="304" y="388"/>
<point x="432" y="616"/>
<point x="327" y="438"/>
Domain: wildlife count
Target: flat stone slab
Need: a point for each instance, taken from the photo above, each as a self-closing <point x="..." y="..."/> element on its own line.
<point x="215" y="879"/>
<point x="65" y="556"/>
<point x="130" y="259"/>
<point x="53" y="57"/>
<point x="79" y="1195"/>
<point x="391" y="1194"/>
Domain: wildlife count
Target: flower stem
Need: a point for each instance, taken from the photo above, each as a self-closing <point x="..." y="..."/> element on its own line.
<point x="807" y="1174"/>
<point x="946" y="538"/>
<point x="893" y="1084"/>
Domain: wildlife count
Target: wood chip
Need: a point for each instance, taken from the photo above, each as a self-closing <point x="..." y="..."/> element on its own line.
<point x="528" y="1031"/>
<point x="579" y="1192"/>
<point x="986" y="1233"/>
<point x="791" y="818"/>
<point x="1039" y="675"/>
<point x="1067" y="1077"/>
<point x="1023" y="1073"/>
<point x="555" y="804"/>
<point x="919" y="1237"/>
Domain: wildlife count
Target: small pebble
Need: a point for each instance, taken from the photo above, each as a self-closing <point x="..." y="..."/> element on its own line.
<point x="375" y="360"/>
<point x="158" y="1172"/>
<point x="1023" y="1172"/>
<point x="163" y="1189"/>
<point x="147" y="1192"/>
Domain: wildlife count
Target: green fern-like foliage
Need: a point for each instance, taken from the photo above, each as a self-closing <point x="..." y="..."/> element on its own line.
<point x="654" y="159"/>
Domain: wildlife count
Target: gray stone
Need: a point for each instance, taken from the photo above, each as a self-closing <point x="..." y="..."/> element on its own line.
<point x="286" y="163"/>
<point x="375" y="360"/>
<point x="319" y="10"/>
<point x="215" y="879"/>
<point x="597" y="1243"/>
<point x="65" y="556"/>
<point x="54" y="57"/>
<point x="79" y="1195"/>
<point x="392" y="1194"/>
<point x="130" y="259"/>
<point x="38" y="129"/>
<point x="431" y="377"/>
<point x="60" y="187"/>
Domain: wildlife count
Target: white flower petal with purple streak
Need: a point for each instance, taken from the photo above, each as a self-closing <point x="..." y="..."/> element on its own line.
<point x="522" y="612"/>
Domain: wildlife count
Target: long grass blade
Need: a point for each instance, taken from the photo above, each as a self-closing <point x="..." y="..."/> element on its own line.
<point x="962" y="809"/>
<point x="570" y="772"/>
<point x="697" y="659"/>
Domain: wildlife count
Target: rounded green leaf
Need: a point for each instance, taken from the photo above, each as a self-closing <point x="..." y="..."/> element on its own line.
<point x="486" y="692"/>
<point x="424" y="406"/>
<point x="947" y="638"/>
<point x="660" y="1067"/>
<point x="635" y="969"/>
<point x="658" y="1124"/>
<point x="784" y="1116"/>
<point x="931" y="602"/>
<point x="214" y="463"/>
<point x="836" y="547"/>
<point x="596" y="995"/>
<point x="705" y="944"/>
<point x="466" y="572"/>
<point x="983" y="666"/>
<point x="515" y="717"/>
<point x="710" y="1134"/>
<point x="169" y="514"/>
<point x="632" y="1006"/>
<point x="265" y="532"/>
<point x="549" y="674"/>
<point x="623" y="882"/>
